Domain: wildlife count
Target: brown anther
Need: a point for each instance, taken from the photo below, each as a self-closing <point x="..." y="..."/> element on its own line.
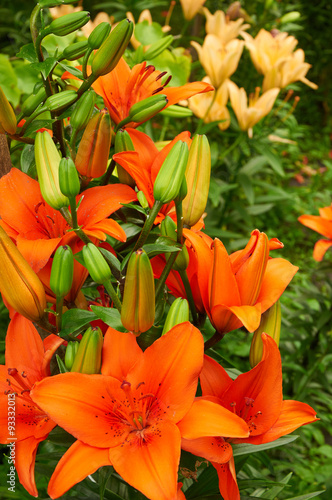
<point x="12" y="372"/>
<point x="139" y="385"/>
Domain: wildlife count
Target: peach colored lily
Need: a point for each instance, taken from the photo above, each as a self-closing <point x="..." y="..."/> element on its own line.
<point x="323" y="225"/>
<point x="38" y="229"/>
<point x="130" y="416"/>
<point x="256" y="397"/>
<point x="191" y="7"/>
<point x="236" y="289"/>
<point x="211" y="106"/>
<point x="27" y="362"/>
<point x="220" y="25"/>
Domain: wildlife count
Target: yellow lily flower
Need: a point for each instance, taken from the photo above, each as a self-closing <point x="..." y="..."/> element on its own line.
<point x="211" y="106"/>
<point x="219" y="61"/>
<point x="191" y="7"/>
<point x="220" y="25"/>
<point x="248" y="116"/>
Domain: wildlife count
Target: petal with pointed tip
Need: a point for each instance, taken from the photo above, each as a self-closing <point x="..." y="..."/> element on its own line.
<point x="320" y="248"/>
<point x="214" y="449"/>
<point x="115" y="344"/>
<point x="214" y="378"/>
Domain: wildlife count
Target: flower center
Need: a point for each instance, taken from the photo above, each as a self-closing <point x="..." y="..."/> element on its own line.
<point x="138" y="408"/>
<point x="49" y="222"/>
<point x="245" y="411"/>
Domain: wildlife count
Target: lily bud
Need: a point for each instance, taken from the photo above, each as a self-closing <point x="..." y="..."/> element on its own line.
<point x="68" y="178"/>
<point x="62" y="271"/>
<point x="138" y="307"/>
<point x="198" y="180"/>
<point x="33" y="101"/>
<point x="7" y="115"/>
<point x="47" y="165"/>
<point x="158" y="47"/>
<point x="174" y="111"/>
<point x="142" y="199"/>
<point x="168" y="228"/>
<point x="75" y="51"/>
<point x="182" y="192"/>
<point x="178" y="313"/>
<point x="57" y="102"/>
<point x="123" y="142"/>
<point x="71" y="351"/>
<point x="64" y="25"/>
<point x="19" y="284"/>
<point x="112" y="49"/>
<point x="147" y="108"/>
<point x="88" y="356"/>
<point x="83" y="111"/>
<point x="92" y="155"/>
<point x="270" y="324"/>
<point x="96" y="264"/>
<point x="98" y="35"/>
<point x="170" y="176"/>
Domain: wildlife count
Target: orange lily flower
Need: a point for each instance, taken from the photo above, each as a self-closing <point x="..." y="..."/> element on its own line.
<point x="38" y="229"/>
<point x="144" y="163"/>
<point x="323" y="225"/>
<point x="236" y="289"/>
<point x="27" y="362"/>
<point x="130" y="416"/>
<point x="256" y="397"/>
<point x="123" y="87"/>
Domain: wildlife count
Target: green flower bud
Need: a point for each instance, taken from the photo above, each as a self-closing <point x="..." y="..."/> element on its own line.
<point x="123" y="142"/>
<point x="71" y="351"/>
<point x="138" y="307"/>
<point x="68" y="23"/>
<point x="178" y="313"/>
<point x="182" y="192"/>
<point x="33" y="101"/>
<point x="168" y="228"/>
<point x="75" y="51"/>
<point x="57" y="102"/>
<point x="7" y="115"/>
<point x="83" y="111"/>
<point x="142" y="199"/>
<point x="270" y="324"/>
<point x="198" y="180"/>
<point x="96" y="264"/>
<point x="147" y="108"/>
<point x="170" y="176"/>
<point x="112" y="49"/>
<point x="88" y="356"/>
<point x="158" y="47"/>
<point x="47" y="165"/>
<point x="98" y="35"/>
<point x="174" y="111"/>
<point x="68" y="178"/>
<point x="62" y="271"/>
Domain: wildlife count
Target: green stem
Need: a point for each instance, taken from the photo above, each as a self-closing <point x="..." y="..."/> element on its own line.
<point x="213" y="340"/>
<point x="112" y="293"/>
<point x="46" y="325"/>
<point x="58" y="317"/>
<point x="26" y="140"/>
<point x="86" y="85"/>
<point x="233" y="146"/>
<point x="190" y="297"/>
<point x="148" y="225"/>
<point x="72" y="221"/>
<point x="108" y="173"/>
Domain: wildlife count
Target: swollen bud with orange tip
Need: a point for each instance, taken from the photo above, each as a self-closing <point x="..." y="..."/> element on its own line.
<point x="47" y="164"/>
<point x="19" y="284"/>
<point x="270" y="324"/>
<point x="168" y="228"/>
<point x="178" y="313"/>
<point x="138" y="307"/>
<point x="7" y="115"/>
<point x="198" y="180"/>
<point x="92" y="155"/>
<point x="123" y="142"/>
<point x="88" y="356"/>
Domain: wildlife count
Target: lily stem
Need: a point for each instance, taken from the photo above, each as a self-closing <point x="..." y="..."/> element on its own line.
<point x="112" y="293"/>
<point x="58" y="317"/>
<point x="148" y="225"/>
<point x="190" y="297"/>
<point x="213" y="340"/>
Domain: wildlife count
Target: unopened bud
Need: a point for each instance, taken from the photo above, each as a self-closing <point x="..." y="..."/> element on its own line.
<point x="198" y="180"/>
<point x="83" y="111"/>
<point x="62" y="271"/>
<point x="99" y="35"/>
<point x="138" y="307"/>
<point x="64" y="25"/>
<point x="7" y="115"/>
<point x="33" y="101"/>
<point x="174" y="111"/>
<point x="178" y="313"/>
<point x="47" y="165"/>
<point x="75" y="51"/>
<point x="170" y="176"/>
<point x="96" y="264"/>
<point x="70" y="354"/>
<point x="158" y="47"/>
<point x="92" y="155"/>
<point x="58" y="102"/>
<point x="112" y="49"/>
<point x="68" y="178"/>
<point x="142" y="199"/>
<point x="123" y="142"/>
<point x="147" y="108"/>
<point x="88" y="356"/>
<point x="19" y="284"/>
<point x="270" y="324"/>
<point x="168" y="228"/>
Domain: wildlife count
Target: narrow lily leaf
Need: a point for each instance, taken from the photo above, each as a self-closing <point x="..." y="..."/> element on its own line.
<point x="61" y="365"/>
<point x="111" y="259"/>
<point x="273" y="492"/>
<point x="74" y="71"/>
<point x="109" y="316"/>
<point x="306" y="497"/>
<point x="247" y="449"/>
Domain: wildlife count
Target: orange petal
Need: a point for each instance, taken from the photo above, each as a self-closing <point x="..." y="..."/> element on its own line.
<point x="228" y="318"/>
<point x="214" y="378"/>
<point x="224" y="287"/>
<point x="108" y="226"/>
<point x="140" y="172"/>
<point x="319" y="224"/>
<point x="144" y="146"/>
<point x="257" y="394"/>
<point x="293" y="415"/>
<point x="162" y="364"/>
<point x="77" y="463"/>
<point x="114" y="362"/>
<point x="82" y="404"/>
<point x="51" y="344"/>
<point x="279" y="273"/>
<point x="176" y="94"/>
<point x="161" y="156"/>
<point x="227" y="480"/>
<point x="25" y="456"/>
<point x="214" y="449"/>
<point x="150" y="464"/>
<point x="210" y="419"/>
<point x="37" y="252"/>
<point x="320" y="249"/>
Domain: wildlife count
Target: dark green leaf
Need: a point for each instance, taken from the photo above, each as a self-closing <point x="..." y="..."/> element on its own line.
<point x="246" y="448"/>
<point x="109" y="316"/>
<point x="74" y="71"/>
<point x="28" y="53"/>
<point x="45" y="67"/>
<point x="74" y="319"/>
